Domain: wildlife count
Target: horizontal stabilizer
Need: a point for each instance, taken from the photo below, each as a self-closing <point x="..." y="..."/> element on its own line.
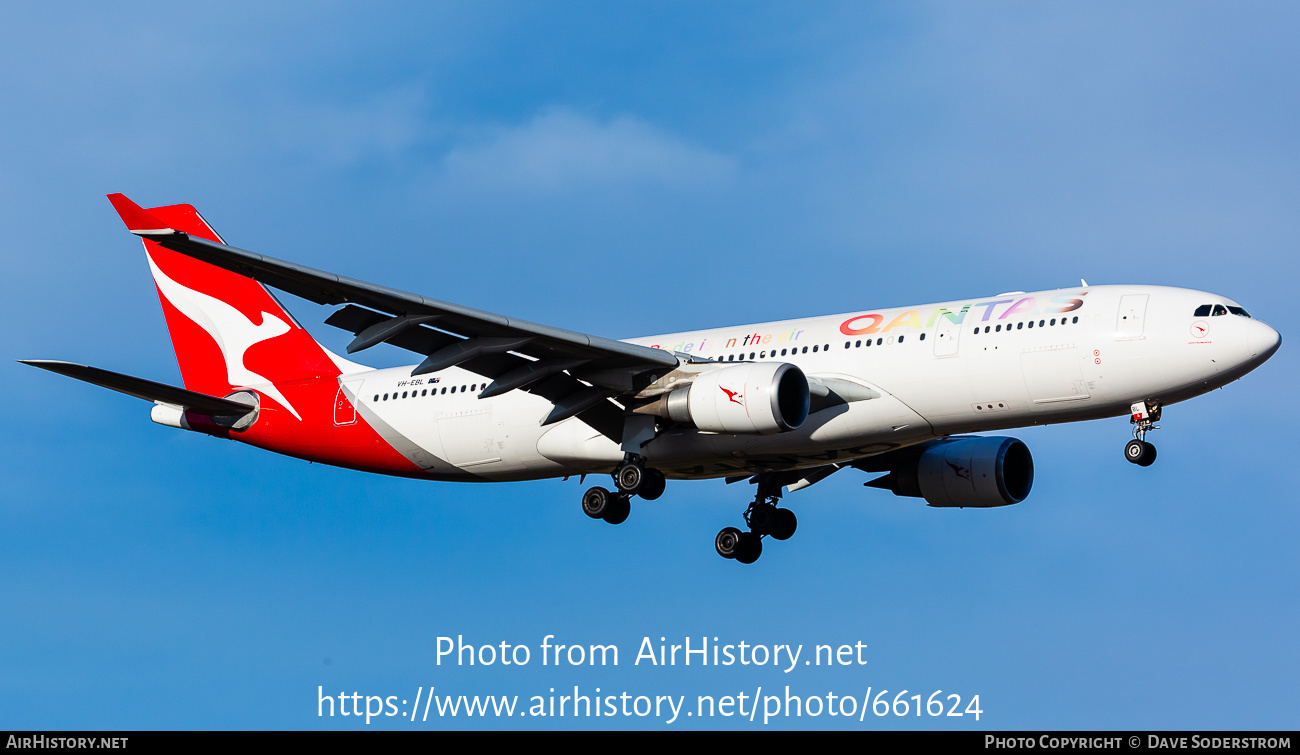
<point x="145" y="389"/>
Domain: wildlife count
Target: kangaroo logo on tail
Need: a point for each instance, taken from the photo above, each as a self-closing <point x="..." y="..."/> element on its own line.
<point x="233" y="332"/>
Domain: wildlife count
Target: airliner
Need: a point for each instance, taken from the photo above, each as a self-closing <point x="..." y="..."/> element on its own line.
<point x="899" y="393"/>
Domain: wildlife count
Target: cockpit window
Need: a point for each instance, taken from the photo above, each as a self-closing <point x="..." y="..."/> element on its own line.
<point x="1214" y="310"/>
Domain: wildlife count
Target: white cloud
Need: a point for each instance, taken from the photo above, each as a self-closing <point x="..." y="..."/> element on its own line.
<point x="387" y="125"/>
<point x="560" y="149"/>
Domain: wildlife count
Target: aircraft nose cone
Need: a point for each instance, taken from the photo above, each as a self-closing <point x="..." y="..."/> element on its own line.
<point x="1263" y="340"/>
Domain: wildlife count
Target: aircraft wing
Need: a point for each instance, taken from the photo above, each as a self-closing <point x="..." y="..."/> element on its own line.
<point x="446" y="334"/>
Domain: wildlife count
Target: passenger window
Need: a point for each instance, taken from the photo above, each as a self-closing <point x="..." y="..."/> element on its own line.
<point x="814" y="349"/>
<point x="1202" y="311"/>
<point x="1031" y="323"/>
<point x="922" y="336"/>
<point x="805" y="349"/>
<point x="403" y="394"/>
<point x="879" y="341"/>
<point x="1075" y="320"/>
<point x="998" y="329"/>
<point x="1020" y="326"/>
<point x="1053" y="320"/>
<point x="986" y="328"/>
<point x="1040" y="323"/>
<point x="900" y="339"/>
<point x="751" y="356"/>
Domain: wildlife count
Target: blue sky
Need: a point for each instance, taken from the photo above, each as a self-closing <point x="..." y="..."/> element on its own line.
<point x="629" y="169"/>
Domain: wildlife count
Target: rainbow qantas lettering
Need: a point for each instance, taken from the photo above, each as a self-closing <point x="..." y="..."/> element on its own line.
<point x="889" y="321"/>
<point x="861" y="325"/>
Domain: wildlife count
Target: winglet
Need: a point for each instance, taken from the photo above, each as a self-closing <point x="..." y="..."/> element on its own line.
<point x="138" y="220"/>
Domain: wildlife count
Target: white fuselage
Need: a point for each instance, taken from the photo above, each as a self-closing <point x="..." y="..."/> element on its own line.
<point x="974" y="365"/>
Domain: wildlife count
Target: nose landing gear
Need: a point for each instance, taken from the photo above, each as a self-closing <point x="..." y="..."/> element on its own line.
<point x="763" y="518"/>
<point x="1144" y="418"/>
<point x="1140" y="452"/>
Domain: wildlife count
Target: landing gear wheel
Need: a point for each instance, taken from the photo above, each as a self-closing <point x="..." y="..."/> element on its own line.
<point x="596" y="502"/>
<point x="750" y="548"/>
<point x="618" y="510"/>
<point x="629" y="478"/>
<point x="783" y="524"/>
<point x="654" y="485"/>
<point x="762" y="517"/>
<point x="727" y="542"/>
<point x="1140" y="452"/>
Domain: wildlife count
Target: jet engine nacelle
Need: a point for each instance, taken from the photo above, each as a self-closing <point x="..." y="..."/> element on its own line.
<point x="753" y="397"/>
<point x="975" y="472"/>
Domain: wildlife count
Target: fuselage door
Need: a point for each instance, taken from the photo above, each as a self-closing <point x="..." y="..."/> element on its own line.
<point x="345" y="413"/>
<point x="946" y="336"/>
<point x="1132" y="315"/>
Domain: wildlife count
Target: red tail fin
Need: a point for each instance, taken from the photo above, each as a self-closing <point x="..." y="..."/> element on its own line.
<point x="228" y="331"/>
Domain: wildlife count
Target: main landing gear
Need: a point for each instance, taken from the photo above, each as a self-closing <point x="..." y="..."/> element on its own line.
<point x="763" y="518"/>
<point x="1144" y="418"/>
<point x="630" y="478"/>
